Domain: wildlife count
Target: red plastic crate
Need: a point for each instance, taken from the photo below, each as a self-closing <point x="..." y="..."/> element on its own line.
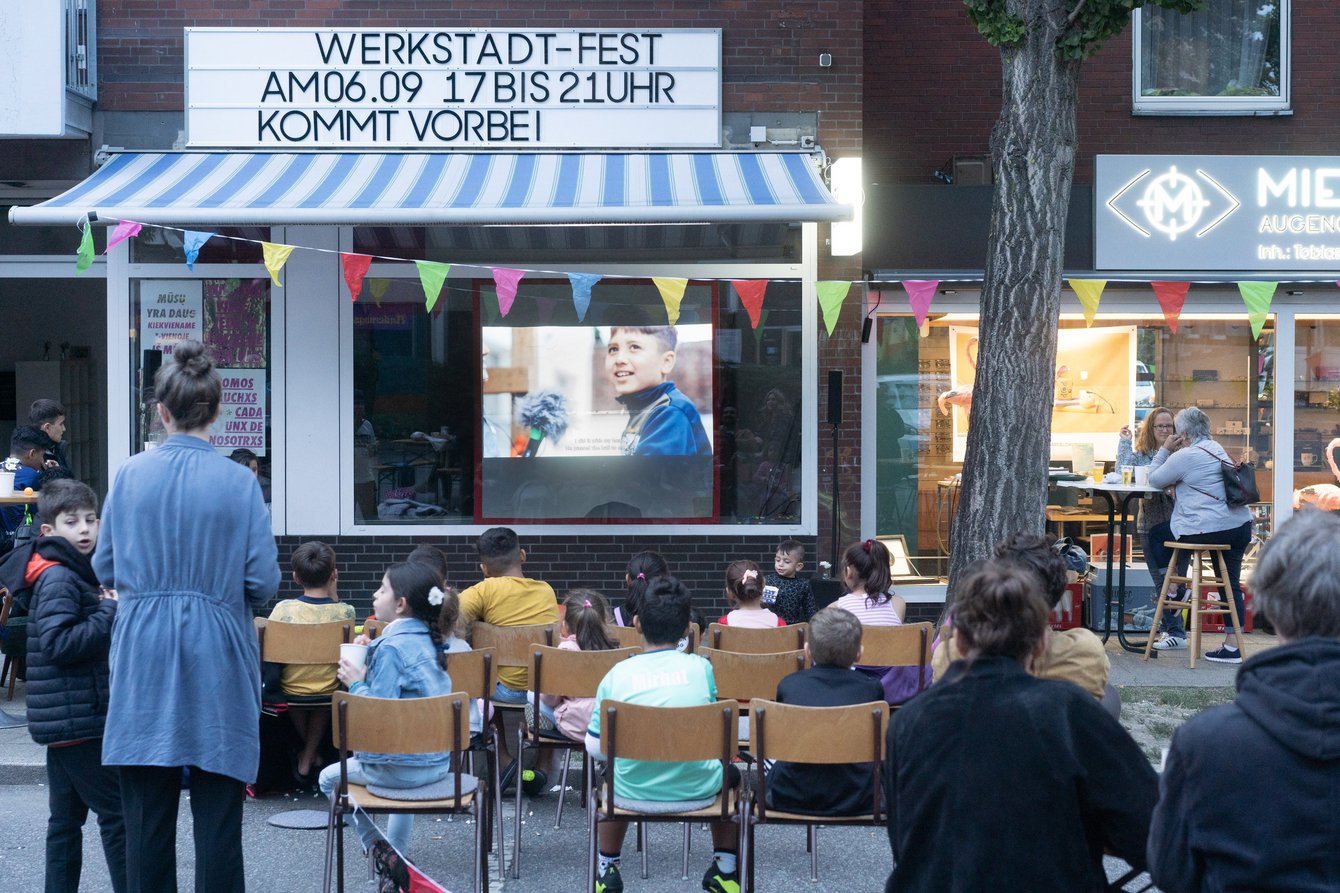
<point x="1069" y="611"/>
<point x="1214" y="623"/>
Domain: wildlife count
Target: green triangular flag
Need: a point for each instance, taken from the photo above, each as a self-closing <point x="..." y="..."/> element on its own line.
<point x="1257" y="297"/>
<point x="762" y="321"/>
<point x="1089" y="291"/>
<point x="84" y="258"/>
<point x="431" y="276"/>
<point x="831" y="295"/>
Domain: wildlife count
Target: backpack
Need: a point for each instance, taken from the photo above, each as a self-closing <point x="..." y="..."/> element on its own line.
<point x="1239" y="482"/>
<point x="1076" y="559"/>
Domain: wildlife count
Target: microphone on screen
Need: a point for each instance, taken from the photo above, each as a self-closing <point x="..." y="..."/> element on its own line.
<point x="545" y="413"/>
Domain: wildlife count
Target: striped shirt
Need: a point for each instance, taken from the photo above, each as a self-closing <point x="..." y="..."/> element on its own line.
<point x="884" y="614"/>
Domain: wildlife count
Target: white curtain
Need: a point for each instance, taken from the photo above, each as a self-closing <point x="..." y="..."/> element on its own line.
<point x="1219" y="51"/>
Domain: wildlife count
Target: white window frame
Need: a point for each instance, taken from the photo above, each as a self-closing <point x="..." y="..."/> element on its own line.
<point x="1215" y="105"/>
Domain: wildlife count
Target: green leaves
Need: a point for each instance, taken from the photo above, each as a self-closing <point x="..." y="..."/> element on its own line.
<point x="995" y="23"/>
<point x="1089" y="23"/>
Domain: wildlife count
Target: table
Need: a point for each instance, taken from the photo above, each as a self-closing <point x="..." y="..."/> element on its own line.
<point x="1128" y="492"/>
<point x="1062" y="515"/>
<point x="18" y="499"/>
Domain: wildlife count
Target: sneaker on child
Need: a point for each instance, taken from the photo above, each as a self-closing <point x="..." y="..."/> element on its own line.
<point x="718" y="881"/>
<point x="533" y="782"/>
<point x="1225" y="655"/>
<point x="1168" y="641"/>
<point x="609" y="880"/>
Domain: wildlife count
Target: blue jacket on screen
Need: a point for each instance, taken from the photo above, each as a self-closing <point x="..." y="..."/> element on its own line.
<point x="663" y="422"/>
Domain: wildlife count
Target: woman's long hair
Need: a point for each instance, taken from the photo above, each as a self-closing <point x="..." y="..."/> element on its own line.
<point x="643" y="567"/>
<point x="1146" y="441"/>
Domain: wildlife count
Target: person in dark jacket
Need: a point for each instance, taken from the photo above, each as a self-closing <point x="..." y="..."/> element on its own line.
<point x="69" y="634"/>
<point x="999" y="780"/>
<point x="1247" y="799"/>
<point x="833" y="646"/>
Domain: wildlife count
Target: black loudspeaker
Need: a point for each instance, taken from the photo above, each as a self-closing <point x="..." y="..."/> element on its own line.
<point x="150" y="363"/>
<point x="835" y="396"/>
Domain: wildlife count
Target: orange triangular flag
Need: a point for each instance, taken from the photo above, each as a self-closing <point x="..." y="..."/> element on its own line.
<point x="355" y="268"/>
<point x="751" y="296"/>
<point x="1171" y="295"/>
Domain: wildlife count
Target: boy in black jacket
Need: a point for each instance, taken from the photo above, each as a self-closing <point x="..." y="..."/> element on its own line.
<point x="69" y="633"/>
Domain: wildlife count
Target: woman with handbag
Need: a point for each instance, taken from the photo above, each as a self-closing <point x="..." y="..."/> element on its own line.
<point x="1193" y="463"/>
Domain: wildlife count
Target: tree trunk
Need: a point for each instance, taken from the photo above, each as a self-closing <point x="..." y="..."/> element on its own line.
<point x="1004" y="486"/>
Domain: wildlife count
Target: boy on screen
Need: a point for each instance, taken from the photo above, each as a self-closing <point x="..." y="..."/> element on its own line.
<point x="661" y="420"/>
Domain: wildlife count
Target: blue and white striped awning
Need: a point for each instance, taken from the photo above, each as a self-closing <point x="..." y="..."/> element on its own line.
<point x="243" y="188"/>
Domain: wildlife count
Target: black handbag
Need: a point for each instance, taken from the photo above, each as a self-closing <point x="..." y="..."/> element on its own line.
<point x="1239" y="482"/>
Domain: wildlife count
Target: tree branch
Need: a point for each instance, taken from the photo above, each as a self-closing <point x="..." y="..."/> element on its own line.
<point x="1074" y="13"/>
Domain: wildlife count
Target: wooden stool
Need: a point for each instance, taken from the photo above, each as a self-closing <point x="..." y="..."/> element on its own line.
<point x="1197" y="582"/>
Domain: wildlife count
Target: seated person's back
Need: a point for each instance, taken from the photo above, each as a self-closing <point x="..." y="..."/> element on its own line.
<point x="834" y="645"/>
<point x="314" y="570"/>
<point x="505" y="597"/>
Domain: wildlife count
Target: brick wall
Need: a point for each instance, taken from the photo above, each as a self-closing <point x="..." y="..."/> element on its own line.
<point x="933" y="86"/>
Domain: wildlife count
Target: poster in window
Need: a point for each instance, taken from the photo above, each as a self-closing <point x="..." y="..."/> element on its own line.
<point x="236" y="312"/>
<point x="170" y="312"/>
<point x="602" y="422"/>
<point x="241" y="421"/>
<point x="1093" y="391"/>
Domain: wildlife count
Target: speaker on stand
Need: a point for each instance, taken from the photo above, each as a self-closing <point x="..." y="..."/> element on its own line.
<point x="835" y="419"/>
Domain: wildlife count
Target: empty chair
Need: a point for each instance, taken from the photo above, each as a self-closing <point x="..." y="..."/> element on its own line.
<point x="756" y="641"/>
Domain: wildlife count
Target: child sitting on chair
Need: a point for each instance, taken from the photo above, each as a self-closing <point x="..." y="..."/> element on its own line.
<point x="833" y="646"/>
<point x="662" y="677"/>
<point x="581" y="629"/>
<point x="744" y="588"/>
<point x="314" y="570"/>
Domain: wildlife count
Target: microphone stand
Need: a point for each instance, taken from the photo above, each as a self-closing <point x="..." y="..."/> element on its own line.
<point x="834" y="527"/>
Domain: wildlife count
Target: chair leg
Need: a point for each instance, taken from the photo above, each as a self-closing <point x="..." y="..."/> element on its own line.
<point x="684" y="868"/>
<point x="516" y="819"/>
<point x="642" y="837"/>
<point x="1195" y="595"/>
<point x="501" y="846"/>
<point x="814" y="852"/>
<point x="591" y="820"/>
<point x="481" y="879"/>
<point x="562" y="787"/>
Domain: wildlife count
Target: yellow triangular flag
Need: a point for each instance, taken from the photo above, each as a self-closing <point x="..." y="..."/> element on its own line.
<point x="1089" y="291"/>
<point x="378" y="288"/>
<point x="275" y="258"/>
<point x="672" y="293"/>
<point x="831" y="295"/>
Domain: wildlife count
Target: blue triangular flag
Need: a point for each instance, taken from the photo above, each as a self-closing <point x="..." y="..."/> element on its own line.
<point x="581" y="291"/>
<point x="192" y="244"/>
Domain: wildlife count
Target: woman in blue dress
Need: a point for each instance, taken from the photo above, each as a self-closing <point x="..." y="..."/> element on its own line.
<point x="186" y="543"/>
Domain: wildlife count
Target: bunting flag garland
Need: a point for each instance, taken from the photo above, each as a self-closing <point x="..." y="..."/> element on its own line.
<point x="378" y="288"/>
<point x="672" y="294"/>
<point x="506" y="280"/>
<point x="192" y="242"/>
<point x="1089" y="292"/>
<point x="126" y="229"/>
<point x="751" y="296"/>
<point x="1257" y="296"/>
<point x="831" y="295"/>
<point x="355" y="268"/>
<point x="431" y="276"/>
<point x="275" y="257"/>
<point x="920" y="293"/>
<point x="1172" y="296"/>
<point x="84" y="257"/>
<point x="582" y="283"/>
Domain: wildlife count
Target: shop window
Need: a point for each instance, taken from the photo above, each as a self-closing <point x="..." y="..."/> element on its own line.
<point x="470" y="416"/>
<point x="1110" y="375"/>
<point x="1232" y="57"/>
<point x="231" y="317"/>
<point x="227" y="245"/>
<point x="1316" y="459"/>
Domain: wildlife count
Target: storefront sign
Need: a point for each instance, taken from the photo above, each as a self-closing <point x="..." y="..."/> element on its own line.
<point x="1217" y="212"/>
<point x="241" y="421"/>
<point x="293" y="88"/>
<point x="170" y="311"/>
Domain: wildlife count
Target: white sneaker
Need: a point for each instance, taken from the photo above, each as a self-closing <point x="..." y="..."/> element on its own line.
<point x="1168" y="642"/>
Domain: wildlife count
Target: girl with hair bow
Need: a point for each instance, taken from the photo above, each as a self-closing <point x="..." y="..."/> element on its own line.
<point x="744" y="589"/>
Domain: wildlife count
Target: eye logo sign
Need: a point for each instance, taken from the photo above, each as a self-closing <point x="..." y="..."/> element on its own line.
<point x="1173" y="203"/>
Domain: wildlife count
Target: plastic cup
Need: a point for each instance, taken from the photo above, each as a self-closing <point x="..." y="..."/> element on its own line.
<point x="355" y="654"/>
<point x="1142" y="475"/>
<point x="1098" y="469"/>
<point x="1127" y="474"/>
<point x="6" y="483"/>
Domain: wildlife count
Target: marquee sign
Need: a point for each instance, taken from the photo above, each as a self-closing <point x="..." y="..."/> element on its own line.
<point x="343" y="88"/>
<point x="1217" y="213"/>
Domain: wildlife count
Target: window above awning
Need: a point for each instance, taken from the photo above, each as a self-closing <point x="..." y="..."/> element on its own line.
<point x="387" y="189"/>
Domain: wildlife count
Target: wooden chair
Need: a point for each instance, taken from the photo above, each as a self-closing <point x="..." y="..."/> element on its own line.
<point x="511" y="646"/>
<point x="1200" y="580"/>
<point x="815" y="735"/>
<point x="747" y="677"/>
<point x="572" y="674"/>
<point x="373" y="628"/>
<point x="408" y="725"/>
<point x="665" y="734"/>
<point x="629" y="637"/>
<point x="908" y="645"/>
<point x="302" y="644"/>
<point x="16" y="652"/>
<point x="471" y="672"/>
<point x="757" y="641"/>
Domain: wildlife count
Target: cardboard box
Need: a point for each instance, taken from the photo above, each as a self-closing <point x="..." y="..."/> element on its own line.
<point x="1098" y="549"/>
<point x="1069" y="611"/>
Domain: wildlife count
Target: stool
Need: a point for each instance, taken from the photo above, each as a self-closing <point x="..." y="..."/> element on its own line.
<point x="1197" y="584"/>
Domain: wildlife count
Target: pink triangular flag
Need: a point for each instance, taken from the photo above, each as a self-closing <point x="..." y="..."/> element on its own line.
<point x="1171" y="295"/>
<point x="355" y="268"/>
<point x="751" y="296"/>
<point x="506" y="281"/>
<point x="920" y="293"/>
<point x="126" y="229"/>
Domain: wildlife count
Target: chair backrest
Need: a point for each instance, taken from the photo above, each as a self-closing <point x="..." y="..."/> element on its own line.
<point x="824" y="735"/>
<point x="373" y="628"/>
<point x="6" y="602"/>
<point x="303" y="643"/>
<point x="401" y="725"/>
<point x="572" y="674"/>
<point x="624" y="636"/>
<point x="743" y="677"/>
<point x="470" y="671"/>
<point x="908" y="645"/>
<point x="511" y="644"/>
<point x="757" y="641"/>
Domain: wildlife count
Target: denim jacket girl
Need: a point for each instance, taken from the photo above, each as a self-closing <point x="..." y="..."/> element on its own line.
<point x="403" y="663"/>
